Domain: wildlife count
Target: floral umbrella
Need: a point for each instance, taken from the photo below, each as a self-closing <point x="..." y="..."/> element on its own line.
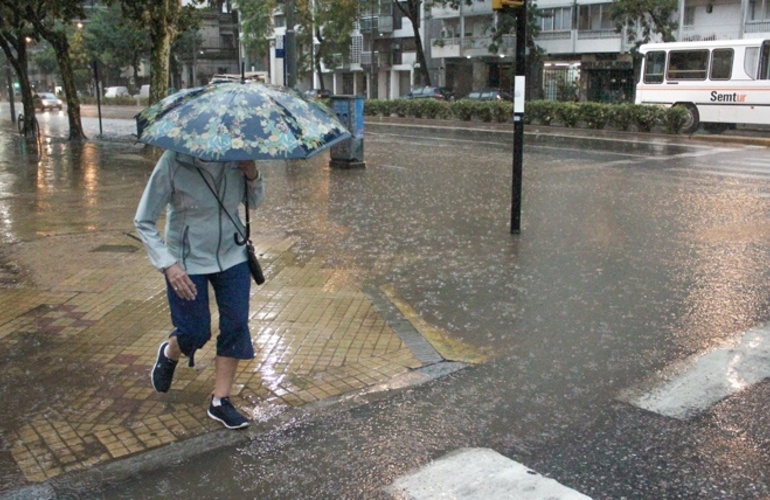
<point x="240" y="121"/>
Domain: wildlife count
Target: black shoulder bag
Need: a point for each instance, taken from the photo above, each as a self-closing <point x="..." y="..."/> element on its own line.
<point x="254" y="267"/>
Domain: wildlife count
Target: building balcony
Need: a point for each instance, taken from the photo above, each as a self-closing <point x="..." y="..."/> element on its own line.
<point x="711" y="32"/>
<point x="379" y="24"/>
<point x="757" y="29"/>
<point x="446" y="48"/>
<point x="596" y="41"/>
<point x="381" y="59"/>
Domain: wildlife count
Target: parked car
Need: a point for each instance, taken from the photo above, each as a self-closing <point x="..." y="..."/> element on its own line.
<point x="116" y="92"/>
<point x="441" y="93"/>
<point x="490" y="95"/>
<point x="144" y="91"/>
<point x="319" y="93"/>
<point x="46" y="100"/>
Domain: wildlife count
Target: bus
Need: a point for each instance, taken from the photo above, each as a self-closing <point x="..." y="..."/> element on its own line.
<point x="719" y="83"/>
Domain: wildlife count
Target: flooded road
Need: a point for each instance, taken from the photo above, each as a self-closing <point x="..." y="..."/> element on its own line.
<point x="631" y="256"/>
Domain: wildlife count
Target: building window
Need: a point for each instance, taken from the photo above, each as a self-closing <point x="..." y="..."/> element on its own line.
<point x="595" y="17"/>
<point x="689" y="16"/>
<point x="758" y="10"/>
<point x="559" y="19"/>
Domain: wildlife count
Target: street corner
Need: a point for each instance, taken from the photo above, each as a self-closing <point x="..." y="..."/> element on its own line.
<point x="91" y="325"/>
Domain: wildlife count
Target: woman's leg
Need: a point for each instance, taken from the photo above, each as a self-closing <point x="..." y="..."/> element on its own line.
<point x="232" y="288"/>
<point x="191" y="319"/>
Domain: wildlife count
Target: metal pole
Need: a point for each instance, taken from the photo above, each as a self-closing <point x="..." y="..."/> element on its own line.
<point x="518" y="120"/>
<point x="98" y="96"/>
<point x="290" y="46"/>
<point x="10" y="93"/>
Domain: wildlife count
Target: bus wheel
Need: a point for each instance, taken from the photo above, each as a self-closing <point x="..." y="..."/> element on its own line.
<point x="693" y="119"/>
<point x="716" y="128"/>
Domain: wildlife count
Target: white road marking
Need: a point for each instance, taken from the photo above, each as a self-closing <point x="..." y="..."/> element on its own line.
<point x="479" y="474"/>
<point x="698" y="382"/>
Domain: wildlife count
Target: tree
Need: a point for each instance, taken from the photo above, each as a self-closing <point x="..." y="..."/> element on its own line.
<point x="257" y="25"/>
<point x="165" y="20"/>
<point x="411" y="10"/>
<point x="116" y="42"/>
<point x="645" y="20"/>
<point x="15" y="31"/>
<point x="48" y="17"/>
<point x="330" y="23"/>
<point x="506" y="24"/>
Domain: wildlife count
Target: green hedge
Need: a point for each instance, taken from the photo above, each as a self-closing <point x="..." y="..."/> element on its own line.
<point x="591" y="115"/>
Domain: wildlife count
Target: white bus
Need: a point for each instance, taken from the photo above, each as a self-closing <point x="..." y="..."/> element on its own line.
<point x="720" y="83"/>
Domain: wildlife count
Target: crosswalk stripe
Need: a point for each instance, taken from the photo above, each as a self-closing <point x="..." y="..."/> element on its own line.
<point x="695" y="384"/>
<point x="479" y="474"/>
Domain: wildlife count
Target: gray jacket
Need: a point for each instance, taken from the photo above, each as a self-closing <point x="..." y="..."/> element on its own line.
<point x="198" y="234"/>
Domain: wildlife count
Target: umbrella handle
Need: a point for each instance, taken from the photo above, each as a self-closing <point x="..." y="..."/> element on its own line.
<point x="240" y="242"/>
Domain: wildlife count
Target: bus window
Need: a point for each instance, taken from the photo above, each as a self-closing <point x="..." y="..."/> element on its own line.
<point x="654" y="62"/>
<point x="750" y="62"/>
<point x="687" y="65"/>
<point x="721" y="64"/>
<point x="764" y="61"/>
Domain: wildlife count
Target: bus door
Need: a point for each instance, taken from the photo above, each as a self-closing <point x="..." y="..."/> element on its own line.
<point x="764" y="61"/>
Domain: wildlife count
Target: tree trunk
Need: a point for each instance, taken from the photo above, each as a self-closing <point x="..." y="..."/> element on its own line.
<point x="161" y="38"/>
<point x="61" y="47"/>
<point x="19" y="63"/>
<point x="421" y="58"/>
<point x="412" y="12"/>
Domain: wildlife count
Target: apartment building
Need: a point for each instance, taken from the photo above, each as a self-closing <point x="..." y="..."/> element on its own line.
<point x="585" y="57"/>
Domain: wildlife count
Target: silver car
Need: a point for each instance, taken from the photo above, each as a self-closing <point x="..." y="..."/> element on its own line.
<point x="46" y="100"/>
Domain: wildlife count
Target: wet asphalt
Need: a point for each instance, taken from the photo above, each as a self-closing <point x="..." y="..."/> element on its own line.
<point x="629" y="259"/>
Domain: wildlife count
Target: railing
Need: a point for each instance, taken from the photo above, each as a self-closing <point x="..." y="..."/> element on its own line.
<point x="757" y="26"/>
<point x="709" y="32"/>
<point x="380" y="58"/>
<point x="554" y="35"/>
<point x="597" y="34"/>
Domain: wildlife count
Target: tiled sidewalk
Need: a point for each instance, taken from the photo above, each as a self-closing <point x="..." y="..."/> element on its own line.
<point x="79" y="334"/>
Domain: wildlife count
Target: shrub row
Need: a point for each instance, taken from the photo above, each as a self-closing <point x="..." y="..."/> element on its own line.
<point x="569" y="114"/>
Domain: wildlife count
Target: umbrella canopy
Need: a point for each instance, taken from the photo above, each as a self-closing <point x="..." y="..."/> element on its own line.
<point x="240" y="121"/>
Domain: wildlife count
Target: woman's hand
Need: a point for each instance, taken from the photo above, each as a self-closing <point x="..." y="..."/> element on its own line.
<point x="249" y="169"/>
<point x="180" y="282"/>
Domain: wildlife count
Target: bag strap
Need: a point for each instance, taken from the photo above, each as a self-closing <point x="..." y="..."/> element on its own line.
<point x="247" y="236"/>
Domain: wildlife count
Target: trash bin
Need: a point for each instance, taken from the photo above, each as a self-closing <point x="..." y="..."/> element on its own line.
<point x="350" y="152"/>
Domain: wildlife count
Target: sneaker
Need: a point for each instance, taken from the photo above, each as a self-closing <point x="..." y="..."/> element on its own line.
<point x="163" y="371"/>
<point x="227" y="415"/>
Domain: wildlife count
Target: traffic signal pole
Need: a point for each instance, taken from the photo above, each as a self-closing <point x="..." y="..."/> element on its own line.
<point x="519" y="9"/>
<point x="518" y="117"/>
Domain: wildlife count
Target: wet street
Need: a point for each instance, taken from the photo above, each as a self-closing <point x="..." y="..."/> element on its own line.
<point x="635" y="254"/>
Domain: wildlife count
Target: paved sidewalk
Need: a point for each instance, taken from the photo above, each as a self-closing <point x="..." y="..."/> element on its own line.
<point x="80" y="333"/>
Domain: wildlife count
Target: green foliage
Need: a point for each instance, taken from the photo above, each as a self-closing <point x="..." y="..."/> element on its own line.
<point x="620" y="116"/>
<point x="464" y="109"/>
<point x="645" y="117"/>
<point x="256" y="18"/>
<point x="646" y="20"/>
<point x="502" y="111"/>
<point x="544" y="112"/>
<point x="568" y="113"/>
<point x="115" y="41"/>
<point x="674" y="118"/>
<point x="431" y="108"/>
<point x="594" y="115"/>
